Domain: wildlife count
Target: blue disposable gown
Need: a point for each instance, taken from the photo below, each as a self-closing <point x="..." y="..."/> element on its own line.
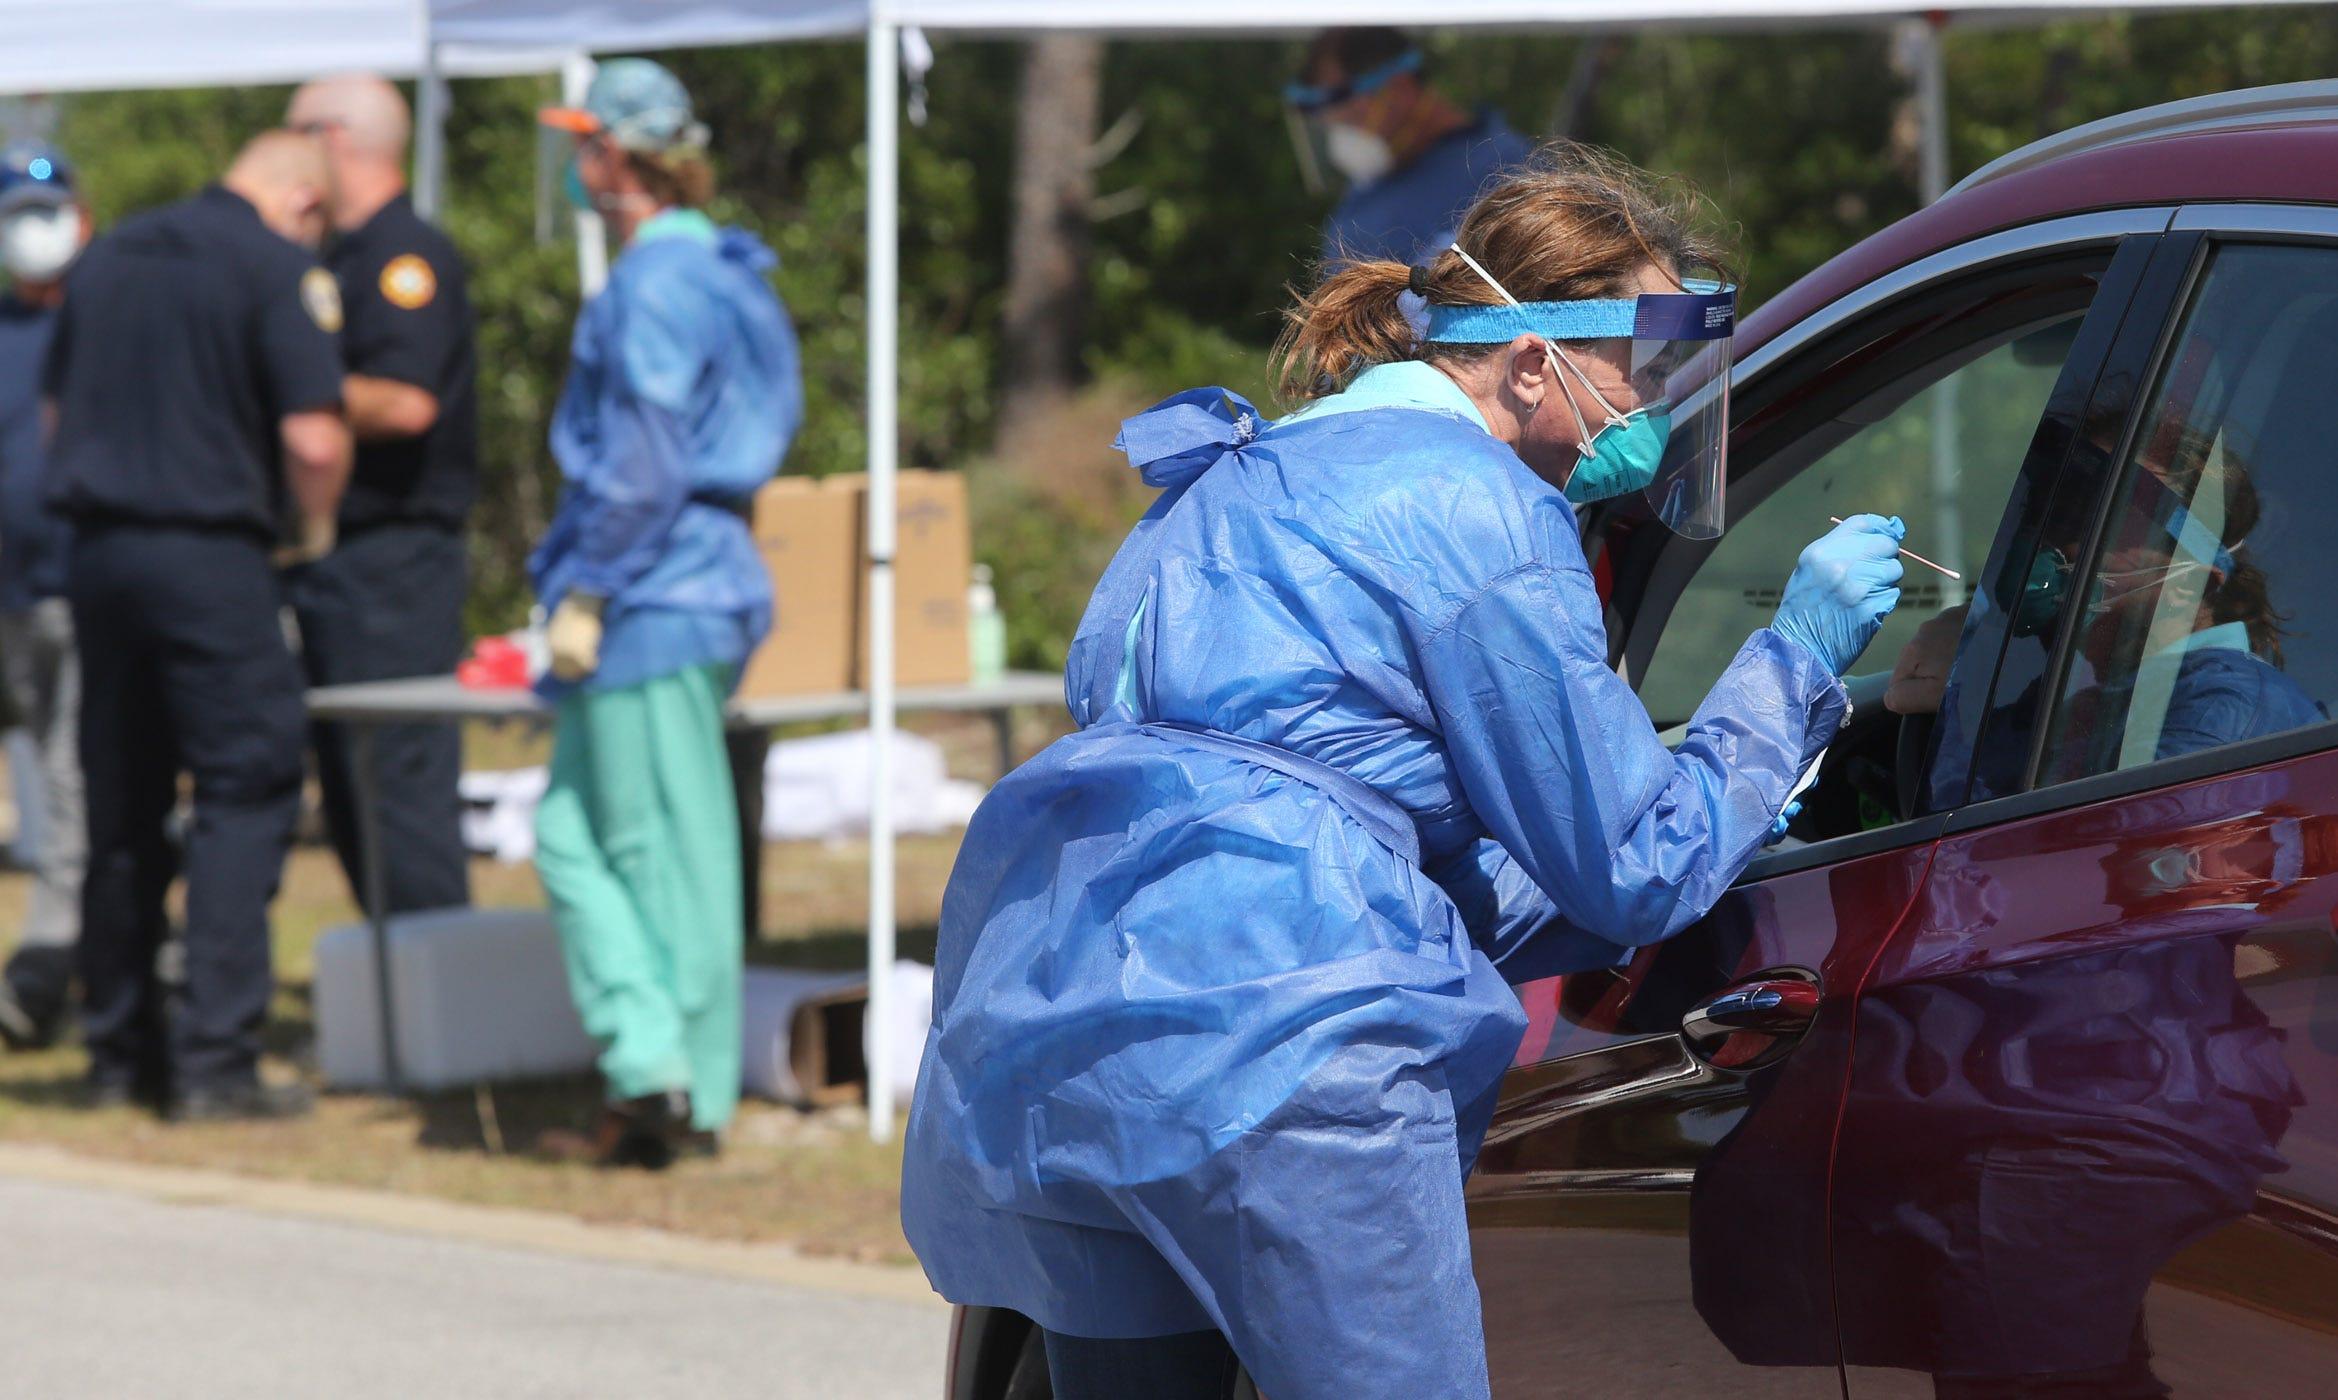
<point x="1217" y="1026"/>
<point x="683" y="392"/>
<point x="2224" y="694"/>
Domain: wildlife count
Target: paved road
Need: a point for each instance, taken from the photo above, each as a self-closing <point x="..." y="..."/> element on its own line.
<point x="112" y="1294"/>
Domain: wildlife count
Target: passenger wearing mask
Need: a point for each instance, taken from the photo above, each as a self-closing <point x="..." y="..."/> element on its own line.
<point x="43" y="227"/>
<point x="2180" y="640"/>
<point x="1219" y="1007"/>
<point x="1413" y="159"/>
<point x="682" y="394"/>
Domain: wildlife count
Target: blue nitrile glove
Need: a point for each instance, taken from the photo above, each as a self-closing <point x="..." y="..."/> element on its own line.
<point x="1843" y="587"/>
<point x="1785" y="819"/>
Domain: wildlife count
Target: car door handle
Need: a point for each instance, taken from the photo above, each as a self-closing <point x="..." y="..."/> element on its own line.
<point x="1755" y="1021"/>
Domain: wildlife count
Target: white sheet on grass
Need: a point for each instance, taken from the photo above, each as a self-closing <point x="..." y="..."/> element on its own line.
<point x="814" y="789"/>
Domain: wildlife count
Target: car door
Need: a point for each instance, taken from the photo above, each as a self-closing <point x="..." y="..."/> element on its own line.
<point x="2090" y="1140"/>
<point x="1648" y="1213"/>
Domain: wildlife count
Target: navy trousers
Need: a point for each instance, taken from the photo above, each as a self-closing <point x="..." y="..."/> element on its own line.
<point x="184" y="670"/>
<point x="387" y="603"/>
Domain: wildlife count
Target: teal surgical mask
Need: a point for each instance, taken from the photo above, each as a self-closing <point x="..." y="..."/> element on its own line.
<point x="572" y="186"/>
<point x="1624" y="455"/>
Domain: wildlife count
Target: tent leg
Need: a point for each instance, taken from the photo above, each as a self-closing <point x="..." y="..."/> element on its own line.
<point x="884" y="326"/>
<point x="430" y="113"/>
<point x="1946" y="528"/>
<point x="1932" y="106"/>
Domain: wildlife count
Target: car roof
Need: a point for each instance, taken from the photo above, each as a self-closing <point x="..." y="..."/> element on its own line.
<point x="2261" y="145"/>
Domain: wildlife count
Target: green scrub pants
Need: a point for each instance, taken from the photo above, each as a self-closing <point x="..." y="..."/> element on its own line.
<point x="637" y="843"/>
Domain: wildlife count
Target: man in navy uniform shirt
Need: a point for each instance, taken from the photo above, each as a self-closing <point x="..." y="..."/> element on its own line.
<point x="43" y="228"/>
<point x="388" y="602"/>
<point x="196" y="383"/>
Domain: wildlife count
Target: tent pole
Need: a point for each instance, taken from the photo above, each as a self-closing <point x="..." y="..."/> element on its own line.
<point x="884" y="327"/>
<point x="430" y="112"/>
<point x="1946" y="527"/>
<point x="592" y="242"/>
<point x="1932" y="106"/>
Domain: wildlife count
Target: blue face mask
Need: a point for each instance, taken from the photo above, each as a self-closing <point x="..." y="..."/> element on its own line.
<point x="1622" y="457"/>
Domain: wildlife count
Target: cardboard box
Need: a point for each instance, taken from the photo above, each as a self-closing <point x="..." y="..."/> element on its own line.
<point x="809" y="534"/>
<point x="825" y="1053"/>
<point x="814" y="539"/>
<point x="801" y="1034"/>
<point x="933" y="563"/>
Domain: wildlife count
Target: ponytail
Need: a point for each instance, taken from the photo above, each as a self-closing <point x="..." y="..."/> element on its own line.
<point x="2246" y="596"/>
<point x="1349" y="323"/>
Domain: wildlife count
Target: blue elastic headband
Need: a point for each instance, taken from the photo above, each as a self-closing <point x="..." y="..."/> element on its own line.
<point x="2174" y="517"/>
<point x="1309" y="97"/>
<point x="1706" y="311"/>
<point x="2198" y="540"/>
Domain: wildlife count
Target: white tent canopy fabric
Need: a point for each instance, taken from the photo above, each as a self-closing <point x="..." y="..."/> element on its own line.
<point x="74" y="45"/>
<point x="67" y="45"/>
<point x="630" y="26"/>
<point x="1168" y="16"/>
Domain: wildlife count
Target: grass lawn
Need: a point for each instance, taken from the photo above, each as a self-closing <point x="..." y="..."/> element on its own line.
<point x="811" y="1180"/>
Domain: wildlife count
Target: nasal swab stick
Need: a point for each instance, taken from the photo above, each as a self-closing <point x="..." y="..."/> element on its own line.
<point x="1907" y="553"/>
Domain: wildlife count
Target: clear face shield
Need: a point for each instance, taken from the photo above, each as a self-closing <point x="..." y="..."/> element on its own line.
<point x="1647" y="380"/>
<point x="1686" y="363"/>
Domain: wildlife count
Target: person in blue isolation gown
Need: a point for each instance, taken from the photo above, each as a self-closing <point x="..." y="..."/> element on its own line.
<point x="1220" y="1007"/>
<point x="683" y="393"/>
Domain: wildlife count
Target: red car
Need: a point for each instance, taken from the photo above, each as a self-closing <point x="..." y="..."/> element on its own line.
<point x="2015" y="1071"/>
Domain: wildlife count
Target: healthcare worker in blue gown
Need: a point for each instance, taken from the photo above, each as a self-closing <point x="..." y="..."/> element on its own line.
<point x="683" y="392"/>
<point x="1220" y="1007"/>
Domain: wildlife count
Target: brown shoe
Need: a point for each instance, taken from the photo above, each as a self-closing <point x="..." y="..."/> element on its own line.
<point x="647" y="1132"/>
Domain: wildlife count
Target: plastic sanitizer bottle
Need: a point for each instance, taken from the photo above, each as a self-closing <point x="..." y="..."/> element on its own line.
<point x="986" y="629"/>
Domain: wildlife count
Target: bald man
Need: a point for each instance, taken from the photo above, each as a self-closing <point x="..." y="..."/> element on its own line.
<point x="195" y="383"/>
<point x="388" y="601"/>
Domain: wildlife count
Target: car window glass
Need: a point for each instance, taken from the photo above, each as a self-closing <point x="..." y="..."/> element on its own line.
<point x="2200" y="622"/>
<point x="1944" y="460"/>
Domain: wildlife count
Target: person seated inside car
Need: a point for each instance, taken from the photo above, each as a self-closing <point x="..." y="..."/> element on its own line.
<point x="2179" y="644"/>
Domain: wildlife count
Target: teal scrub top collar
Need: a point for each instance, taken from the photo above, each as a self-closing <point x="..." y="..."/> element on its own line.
<point x="2224" y="636"/>
<point x="1399" y="384"/>
<point x="677" y="223"/>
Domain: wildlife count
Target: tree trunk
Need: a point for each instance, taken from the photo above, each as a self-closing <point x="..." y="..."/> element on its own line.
<point x="1047" y="272"/>
<point x="1593" y="58"/>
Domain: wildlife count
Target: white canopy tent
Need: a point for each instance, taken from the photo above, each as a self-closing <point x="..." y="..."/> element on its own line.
<point x="103" y="44"/>
<point x="54" y="47"/>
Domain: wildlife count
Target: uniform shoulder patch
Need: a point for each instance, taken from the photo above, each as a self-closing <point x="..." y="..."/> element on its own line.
<point x="320" y="296"/>
<point x="408" y="283"/>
